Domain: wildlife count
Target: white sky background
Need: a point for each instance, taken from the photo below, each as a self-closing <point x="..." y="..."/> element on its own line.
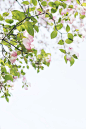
<point x="56" y="99"/>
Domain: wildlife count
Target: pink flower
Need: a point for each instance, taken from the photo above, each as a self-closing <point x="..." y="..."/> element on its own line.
<point x="83" y="13"/>
<point x="15" y="77"/>
<point x="27" y="44"/>
<point x="68" y="0"/>
<point x="72" y="19"/>
<point x="62" y="21"/>
<point x="63" y="12"/>
<point x="68" y="57"/>
<point x="13" y="56"/>
<point x="25" y="83"/>
<point x="25" y="87"/>
<point x="39" y="12"/>
<point x="75" y="6"/>
<point x="26" y="34"/>
<point x="24" y="78"/>
<point x="77" y="54"/>
<point x="28" y="40"/>
<point x="54" y="17"/>
<point x="70" y="49"/>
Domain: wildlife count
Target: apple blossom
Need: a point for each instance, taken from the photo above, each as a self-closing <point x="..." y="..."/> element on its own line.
<point x="25" y="83"/>
<point x="28" y="36"/>
<point x="71" y="51"/>
<point x="28" y="40"/>
<point x="11" y="84"/>
<point x="13" y="57"/>
<point x="68" y="57"/>
<point x="48" y="58"/>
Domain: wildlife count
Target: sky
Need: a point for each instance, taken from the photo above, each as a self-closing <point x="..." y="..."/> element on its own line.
<point x="55" y="100"/>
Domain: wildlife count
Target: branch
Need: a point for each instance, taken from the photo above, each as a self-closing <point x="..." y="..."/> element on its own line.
<point x="13" y="45"/>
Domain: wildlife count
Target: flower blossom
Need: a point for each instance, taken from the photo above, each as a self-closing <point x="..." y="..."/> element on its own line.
<point x="28" y="40"/>
<point x="25" y="83"/>
<point x="71" y="52"/>
<point x="68" y="57"/>
<point x="13" y="56"/>
<point x="48" y="59"/>
<point x="9" y="82"/>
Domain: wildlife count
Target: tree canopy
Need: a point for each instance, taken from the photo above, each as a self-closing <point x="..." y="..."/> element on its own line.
<point x="18" y="28"/>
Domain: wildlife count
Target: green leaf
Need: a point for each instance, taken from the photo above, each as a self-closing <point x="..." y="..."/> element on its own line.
<point x="68" y="41"/>
<point x="61" y="42"/>
<point x="80" y="35"/>
<point x="75" y="14"/>
<point x="51" y="4"/>
<point x="10" y="21"/>
<point x="57" y="3"/>
<point x="1" y="61"/>
<point x="75" y="56"/>
<point x="30" y="9"/>
<point x="60" y="10"/>
<point x="53" y="10"/>
<point x="44" y="3"/>
<point x="27" y="67"/>
<point x="5" y="14"/>
<point x="83" y="4"/>
<point x="34" y="2"/>
<point x="21" y="28"/>
<point x="70" y="36"/>
<point x="29" y="28"/>
<point x="82" y="16"/>
<point x="17" y="15"/>
<point x="25" y="59"/>
<point x="53" y="34"/>
<point x="70" y="6"/>
<point x="25" y="2"/>
<point x="2" y="96"/>
<point x="1" y="18"/>
<point x="39" y="9"/>
<point x="64" y="5"/>
<point x="63" y="51"/>
<point x="67" y="28"/>
<point x="65" y="58"/>
<point x="8" y="77"/>
<point x="22" y="72"/>
<point x="4" y="70"/>
<point x="7" y="99"/>
<point x="34" y="20"/>
<point x="14" y="71"/>
<point x="78" y="1"/>
<point x="59" y="20"/>
<point x="72" y="61"/>
<point x="59" y="26"/>
<point x="38" y="70"/>
<point x="36" y="28"/>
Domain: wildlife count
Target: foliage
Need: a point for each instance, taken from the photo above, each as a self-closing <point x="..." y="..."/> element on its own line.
<point x="18" y="37"/>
